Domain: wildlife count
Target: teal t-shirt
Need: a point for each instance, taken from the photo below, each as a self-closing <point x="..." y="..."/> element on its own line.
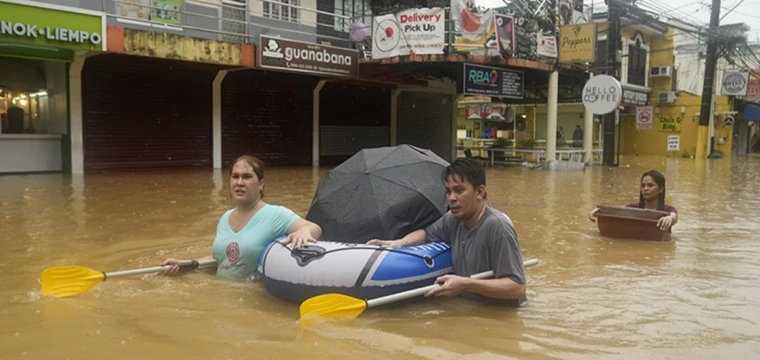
<point x="237" y="254"/>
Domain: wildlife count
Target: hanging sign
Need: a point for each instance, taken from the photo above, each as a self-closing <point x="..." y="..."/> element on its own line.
<point x="734" y="83"/>
<point x="644" y="118"/>
<point x="577" y="43"/>
<point x="414" y="31"/>
<point x="547" y="46"/>
<point x="602" y="94"/>
<point x="635" y="97"/>
<point x="505" y="34"/>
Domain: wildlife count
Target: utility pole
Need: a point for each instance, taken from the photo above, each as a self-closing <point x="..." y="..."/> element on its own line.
<point x="705" y="146"/>
<point x="612" y="68"/>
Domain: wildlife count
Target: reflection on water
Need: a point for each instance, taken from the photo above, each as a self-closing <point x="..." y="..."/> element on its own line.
<point x="591" y="297"/>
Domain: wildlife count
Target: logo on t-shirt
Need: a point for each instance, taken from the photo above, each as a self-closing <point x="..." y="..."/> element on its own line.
<point x="233" y="252"/>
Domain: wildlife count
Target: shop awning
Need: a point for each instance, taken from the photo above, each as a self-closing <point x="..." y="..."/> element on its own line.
<point x="752" y="112"/>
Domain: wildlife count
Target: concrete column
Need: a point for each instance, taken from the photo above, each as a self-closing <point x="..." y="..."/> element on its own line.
<point x="454" y="115"/>
<point x="394" y="114"/>
<point x="216" y="95"/>
<point x="75" y="114"/>
<point x="315" y="124"/>
<point x="551" y="117"/>
<point x="588" y="132"/>
<point x="710" y="148"/>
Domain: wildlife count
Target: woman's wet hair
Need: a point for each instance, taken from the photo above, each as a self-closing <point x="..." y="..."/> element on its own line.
<point x="256" y="164"/>
<point x="659" y="179"/>
<point x="466" y="169"/>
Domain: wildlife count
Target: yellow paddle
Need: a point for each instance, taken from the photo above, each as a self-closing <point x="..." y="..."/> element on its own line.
<point x="339" y="305"/>
<point x="65" y="281"/>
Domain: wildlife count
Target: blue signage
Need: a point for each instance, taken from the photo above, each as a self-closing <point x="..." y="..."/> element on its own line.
<point x="491" y="81"/>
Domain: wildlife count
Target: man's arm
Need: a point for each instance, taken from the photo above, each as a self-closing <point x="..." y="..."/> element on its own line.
<point x="414" y="238"/>
<point x="505" y="259"/>
<point x="435" y="231"/>
<point x="504" y="288"/>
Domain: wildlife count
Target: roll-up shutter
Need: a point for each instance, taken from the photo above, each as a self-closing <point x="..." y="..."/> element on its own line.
<point x="424" y="120"/>
<point x="352" y="118"/>
<point x="267" y="114"/>
<point x="142" y="113"/>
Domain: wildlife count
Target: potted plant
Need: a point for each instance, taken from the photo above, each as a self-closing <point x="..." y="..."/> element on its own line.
<point x="526" y="143"/>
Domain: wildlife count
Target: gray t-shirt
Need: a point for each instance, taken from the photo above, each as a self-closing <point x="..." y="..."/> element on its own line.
<point x="491" y="245"/>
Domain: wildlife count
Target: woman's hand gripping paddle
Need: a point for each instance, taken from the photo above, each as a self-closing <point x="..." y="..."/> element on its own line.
<point x="65" y="281"/>
<point x="339" y="305"/>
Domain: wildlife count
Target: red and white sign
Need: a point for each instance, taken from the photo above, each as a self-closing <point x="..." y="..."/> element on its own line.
<point x="753" y="90"/>
<point x="478" y="112"/>
<point x="644" y="118"/>
<point x="547" y="46"/>
<point x="415" y="31"/>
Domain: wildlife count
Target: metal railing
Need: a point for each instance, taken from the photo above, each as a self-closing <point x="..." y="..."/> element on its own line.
<point x="142" y="14"/>
<point x="213" y="19"/>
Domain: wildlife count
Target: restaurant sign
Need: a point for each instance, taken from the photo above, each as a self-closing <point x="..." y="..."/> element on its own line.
<point x="290" y="55"/>
<point x="51" y="26"/>
<point x="635" y="97"/>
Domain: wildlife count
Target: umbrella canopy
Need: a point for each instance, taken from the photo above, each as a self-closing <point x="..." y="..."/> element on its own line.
<point x="382" y="193"/>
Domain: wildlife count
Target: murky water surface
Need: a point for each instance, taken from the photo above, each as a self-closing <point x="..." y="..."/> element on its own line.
<point x="696" y="297"/>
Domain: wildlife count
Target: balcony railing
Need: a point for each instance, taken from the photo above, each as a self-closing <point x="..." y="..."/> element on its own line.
<point x="242" y="21"/>
<point x="227" y="20"/>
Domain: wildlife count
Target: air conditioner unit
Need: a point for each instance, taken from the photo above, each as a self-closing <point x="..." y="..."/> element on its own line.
<point x="661" y="71"/>
<point x="666" y="97"/>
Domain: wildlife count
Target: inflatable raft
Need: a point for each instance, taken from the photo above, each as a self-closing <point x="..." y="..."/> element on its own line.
<point x="357" y="270"/>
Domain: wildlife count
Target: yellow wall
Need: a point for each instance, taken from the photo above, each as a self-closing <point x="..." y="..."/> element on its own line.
<point x="661" y="54"/>
<point x="654" y="142"/>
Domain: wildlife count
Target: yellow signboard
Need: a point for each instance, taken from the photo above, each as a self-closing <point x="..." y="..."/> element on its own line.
<point x="577" y="43"/>
<point x="669" y="123"/>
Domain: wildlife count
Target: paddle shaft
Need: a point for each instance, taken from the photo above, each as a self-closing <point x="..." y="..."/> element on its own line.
<point x="421" y="291"/>
<point x="187" y="265"/>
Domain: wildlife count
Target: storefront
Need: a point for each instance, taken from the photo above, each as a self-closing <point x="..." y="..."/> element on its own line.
<point x="316" y="110"/>
<point x="484" y="117"/>
<point x="38" y="42"/>
<point x="634" y="97"/>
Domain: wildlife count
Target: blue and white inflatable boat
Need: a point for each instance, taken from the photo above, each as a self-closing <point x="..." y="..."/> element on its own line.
<point x="357" y="270"/>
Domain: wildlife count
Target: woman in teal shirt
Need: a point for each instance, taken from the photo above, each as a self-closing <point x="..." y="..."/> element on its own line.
<point x="244" y="232"/>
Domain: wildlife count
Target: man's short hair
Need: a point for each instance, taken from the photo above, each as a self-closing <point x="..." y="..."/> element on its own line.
<point x="466" y="169"/>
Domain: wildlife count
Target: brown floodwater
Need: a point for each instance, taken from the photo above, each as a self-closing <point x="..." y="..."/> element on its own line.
<point x="696" y="297"/>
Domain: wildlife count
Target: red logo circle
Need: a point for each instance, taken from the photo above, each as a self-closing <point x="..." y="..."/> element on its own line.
<point x="233" y="252"/>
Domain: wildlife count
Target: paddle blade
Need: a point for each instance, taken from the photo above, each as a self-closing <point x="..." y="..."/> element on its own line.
<point x="65" y="281"/>
<point x="333" y="305"/>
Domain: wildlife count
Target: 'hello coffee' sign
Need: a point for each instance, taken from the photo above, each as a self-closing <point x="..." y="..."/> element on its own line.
<point x="602" y="94"/>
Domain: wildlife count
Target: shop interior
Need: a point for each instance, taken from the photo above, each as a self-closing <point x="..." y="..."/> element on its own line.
<point x="483" y="124"/>
<point x="32" y="96"/>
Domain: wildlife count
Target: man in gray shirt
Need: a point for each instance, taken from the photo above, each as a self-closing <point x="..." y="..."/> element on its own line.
<point x="481" y="239"/>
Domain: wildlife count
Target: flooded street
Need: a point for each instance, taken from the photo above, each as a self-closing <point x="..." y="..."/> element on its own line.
<point x="696" y="297"/>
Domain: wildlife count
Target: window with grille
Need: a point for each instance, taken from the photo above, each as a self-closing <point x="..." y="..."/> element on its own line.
<point x="282" y="10"/>
<point x="637" y="64"/>
<point x="348" y="11"/>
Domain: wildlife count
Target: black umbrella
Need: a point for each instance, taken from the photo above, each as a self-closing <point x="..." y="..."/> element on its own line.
<point x="382" y="193"/>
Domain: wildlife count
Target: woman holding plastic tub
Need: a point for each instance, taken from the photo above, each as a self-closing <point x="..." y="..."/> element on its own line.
<point x="244" y="231"/>
<point x="652" y="197"/>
